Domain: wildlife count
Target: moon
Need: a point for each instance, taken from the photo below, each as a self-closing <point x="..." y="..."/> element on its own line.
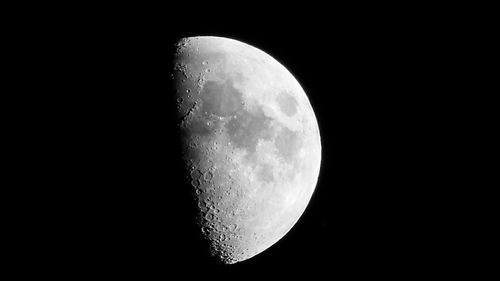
<point x="250" y="144"/>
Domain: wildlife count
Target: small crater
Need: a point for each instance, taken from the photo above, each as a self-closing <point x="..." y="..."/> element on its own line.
<point x="202" y="207"/>
<point x="207" y="208"/>
<point x="232" y="227"/>
<point x="208" y="176"/>
<point x="209" y="217"/>
<point x="195" y="183"/>
<point x="196" y="174"/>
<point x="205" y="230"/>
<point x="223" y="237"/>
<point x="217" y="225"/>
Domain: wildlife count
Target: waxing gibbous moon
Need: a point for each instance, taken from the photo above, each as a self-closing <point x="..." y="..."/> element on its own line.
<point x="251" y="144"/>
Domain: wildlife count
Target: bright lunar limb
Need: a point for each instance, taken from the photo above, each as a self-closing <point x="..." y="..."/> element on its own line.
<point x="251" y="143"/>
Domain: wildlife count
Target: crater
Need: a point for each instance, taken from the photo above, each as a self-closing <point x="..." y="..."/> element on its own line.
<point x="287" y="103"/>
<point x="208" y="176"/>
<point x="196" y="174"/>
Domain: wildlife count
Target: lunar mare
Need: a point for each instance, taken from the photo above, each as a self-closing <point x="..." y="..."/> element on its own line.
<point x="251" y="143"/>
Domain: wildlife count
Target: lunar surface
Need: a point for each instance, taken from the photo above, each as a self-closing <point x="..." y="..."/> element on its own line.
<point x="251" y="144"/>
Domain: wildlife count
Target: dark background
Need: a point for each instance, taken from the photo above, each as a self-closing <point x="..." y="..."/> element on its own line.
<point x="376" y="84"/>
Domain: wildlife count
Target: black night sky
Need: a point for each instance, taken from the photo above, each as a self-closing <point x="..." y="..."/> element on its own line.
<point x="367" y="85"/>
<point x="372" y="82"/>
